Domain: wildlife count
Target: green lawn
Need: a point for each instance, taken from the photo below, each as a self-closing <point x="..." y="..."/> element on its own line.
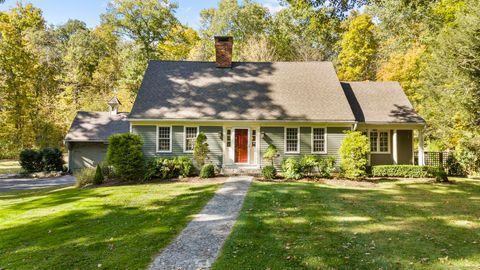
<point x="119" y="227"/>
<point x="390" y="226"/>
<point x="9" y="166"/>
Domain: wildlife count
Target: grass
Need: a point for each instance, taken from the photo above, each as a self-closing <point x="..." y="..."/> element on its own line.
<point x="390" y="226"/>
<point x="121" y="227"/>
<point x="9" y="166"/>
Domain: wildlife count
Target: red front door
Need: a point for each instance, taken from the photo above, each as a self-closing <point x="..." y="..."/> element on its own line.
<point x="241" y="145"/>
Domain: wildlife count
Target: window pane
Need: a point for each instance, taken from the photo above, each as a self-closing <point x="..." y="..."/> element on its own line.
<point x="373" y="140"/>
<point x="292" y="140"/>
<point x="190" y="136"/>
<point x="254" y="138"/>
<point x="383" y="141"/>
<point x="229" y="137"/>
<point x="318" y="140"/>
<point x="163" y="138"/>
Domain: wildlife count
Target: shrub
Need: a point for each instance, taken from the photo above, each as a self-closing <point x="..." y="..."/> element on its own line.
<point x="84" y="177"/>
<point x="52" y="159"/>
<point x="270" y="153"/>
<point x="405" y="171"/>
<point x="207" y="171"/>
<point x="354" y="154"/>
<point x="186" y="166"/>
<point x="31" y="160"/>
<point x="308" y="163"/>
<point x="125" y="155"/>
<point x="200" y="150"/>
<point x="441" y="176"/>
<point x="107" y="170"/>
<point x="269" y="172"/>
<point x="326" y="166"/>
<point x="98" y="178"/>
<point x="454" y="167"/>
<point x="292" y="169"/>
<point x="166" y="168"/>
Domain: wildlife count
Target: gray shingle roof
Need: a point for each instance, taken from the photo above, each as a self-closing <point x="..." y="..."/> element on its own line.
<point x="380" y="102"/>
<point x="96" y="126"/>
<point x="308" y="91"/>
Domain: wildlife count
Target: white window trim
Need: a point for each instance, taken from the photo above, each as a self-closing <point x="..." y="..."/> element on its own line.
<point x="185" y="137"/>
<point x="325" y="147"/>
<point x="171" y="139"/>
<point x="378" y="141"/>
<point x="285" y="141"/>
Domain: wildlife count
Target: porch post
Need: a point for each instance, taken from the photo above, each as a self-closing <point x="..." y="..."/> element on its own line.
<point x="421" y="152"/>
<point x="394" y="150"/>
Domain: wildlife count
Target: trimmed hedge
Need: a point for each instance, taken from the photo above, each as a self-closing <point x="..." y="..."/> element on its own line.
<point x="405" y="171"/>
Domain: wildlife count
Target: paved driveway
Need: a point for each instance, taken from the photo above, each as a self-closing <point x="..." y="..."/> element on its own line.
<point x="29" y="183"/>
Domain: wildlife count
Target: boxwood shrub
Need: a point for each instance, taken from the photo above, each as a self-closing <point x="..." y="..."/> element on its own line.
<point x="405" y="171"/>
<point x="269" y="172"/>
<point x="207" y="171"/>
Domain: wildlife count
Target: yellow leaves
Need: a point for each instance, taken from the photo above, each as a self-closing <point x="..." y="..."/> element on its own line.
<point x="405" y="68"/>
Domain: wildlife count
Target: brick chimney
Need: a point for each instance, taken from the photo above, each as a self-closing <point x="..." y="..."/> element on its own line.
<point x="223" y="52"/>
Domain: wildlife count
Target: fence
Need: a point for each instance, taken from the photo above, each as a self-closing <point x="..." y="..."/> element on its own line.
<point x="438" y="159"/>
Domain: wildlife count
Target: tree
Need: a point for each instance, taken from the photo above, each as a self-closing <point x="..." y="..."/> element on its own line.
<point x="270" y="153"/>
<point x="147" y="22"/>
<point x="200" y="150"/>
<point x="451" y="91"/>
<point x="356" y="61"/>
<point x="354" y="154"/>
<point x="240" y="21"/>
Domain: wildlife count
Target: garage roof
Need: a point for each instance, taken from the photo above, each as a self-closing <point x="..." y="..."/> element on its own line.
<point x="96" y="126"/>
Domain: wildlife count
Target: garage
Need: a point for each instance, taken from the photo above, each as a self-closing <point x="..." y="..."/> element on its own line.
<point x="87" y="138"/>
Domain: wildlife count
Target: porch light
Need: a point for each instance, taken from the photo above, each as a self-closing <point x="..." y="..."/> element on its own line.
<point x="220" y="134"/>
<point x="263" y="134"/>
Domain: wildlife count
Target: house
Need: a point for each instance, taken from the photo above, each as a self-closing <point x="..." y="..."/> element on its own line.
<point x="242" y="107"/>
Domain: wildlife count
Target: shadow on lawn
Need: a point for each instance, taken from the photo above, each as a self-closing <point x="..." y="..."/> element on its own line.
<point x="304" y="225"/>
<point x="112" y="233"/>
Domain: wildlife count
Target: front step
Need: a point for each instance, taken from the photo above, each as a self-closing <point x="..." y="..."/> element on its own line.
<point x="241" y="171"/>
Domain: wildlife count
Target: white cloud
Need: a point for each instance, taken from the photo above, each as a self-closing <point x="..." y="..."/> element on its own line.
<point x="273" y="5"/>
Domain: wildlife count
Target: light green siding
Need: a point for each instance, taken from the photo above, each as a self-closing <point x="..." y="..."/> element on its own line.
<point x="214" y="140"/>
<point x="149" y="135"/>
<point x="275" y="136"/>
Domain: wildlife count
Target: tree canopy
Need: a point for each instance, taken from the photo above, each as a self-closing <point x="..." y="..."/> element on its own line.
<point x="48" y="72"/>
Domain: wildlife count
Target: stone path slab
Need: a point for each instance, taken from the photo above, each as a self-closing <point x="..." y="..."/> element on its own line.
<point x="32" y="183"/>
<point x="199" y="244"/>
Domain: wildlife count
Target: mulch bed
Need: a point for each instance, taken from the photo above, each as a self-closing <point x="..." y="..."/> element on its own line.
<point x="365" y="183"/>
<point x="192" y="180"/>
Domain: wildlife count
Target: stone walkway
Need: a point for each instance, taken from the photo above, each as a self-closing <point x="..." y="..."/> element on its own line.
<point x="32" y="183"/>
<point x="199" y="244"/>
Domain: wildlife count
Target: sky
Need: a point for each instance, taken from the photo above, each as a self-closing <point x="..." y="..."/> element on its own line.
<point x="59" y="11"/>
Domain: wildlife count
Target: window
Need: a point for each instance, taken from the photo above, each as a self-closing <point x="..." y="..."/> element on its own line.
<point x="164" y="139"/>
<point x="379" y="141"/>
<point x="318" y="140"/>
<point x="373" y="140"/>
<point x="254" y="138"/>
<point x="190" y="137"/>
<point x="291" y="140"/>
<point x="229" y="137"/>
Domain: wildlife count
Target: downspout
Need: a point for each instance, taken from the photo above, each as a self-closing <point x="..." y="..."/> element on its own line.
<point x="355" y="125"/>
